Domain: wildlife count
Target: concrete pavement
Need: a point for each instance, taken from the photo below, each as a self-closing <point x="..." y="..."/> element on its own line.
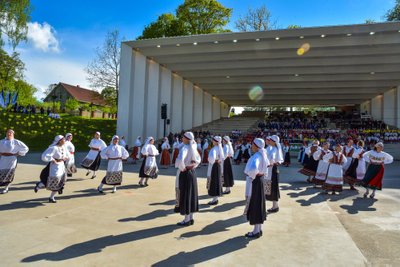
<point x="136" y="226"/>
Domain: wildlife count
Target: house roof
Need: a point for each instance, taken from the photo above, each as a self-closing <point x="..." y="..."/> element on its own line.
<point x="84" y="95"/>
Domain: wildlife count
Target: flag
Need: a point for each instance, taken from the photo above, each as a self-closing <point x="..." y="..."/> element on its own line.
<point x="2" y="99"/>
<point x="7" y="99"/>
<point x="14" y="98"/>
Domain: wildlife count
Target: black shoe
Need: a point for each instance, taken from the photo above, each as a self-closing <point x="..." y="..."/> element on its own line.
<point x="69" y="174"/>
<point x="94" y="176"/>
<point x="252" y="235"/>
<point x="60" y="191"/>
<point x="183" y="223"/>
<point x="273" y="210"/>
<point x="87" y="173"/>
<point x="191" y="222"/>
<point x="176" y="209"/>
<point x="226" y="192"/>
<point x="145" y="184"/>
<point x="51" y="200"/>
<point x="100" y="191"/>
<point x="213" y="202"/>
<point x="36" y="189"/>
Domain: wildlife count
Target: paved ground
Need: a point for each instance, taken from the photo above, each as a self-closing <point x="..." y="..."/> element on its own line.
<point x="136" y="226"/>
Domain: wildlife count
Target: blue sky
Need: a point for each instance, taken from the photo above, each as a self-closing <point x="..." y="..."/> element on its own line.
<point x="64" y="34"/>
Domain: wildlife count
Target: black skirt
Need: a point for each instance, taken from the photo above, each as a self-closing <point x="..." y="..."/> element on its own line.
<point x="239" y="156"/>
<point x="287" y="157"/>
<point x="256" y="213"/>
<point x="95" y="165"/>
<point x="351" y="172"/>
<point x="141" y="171"/>
<point x="44" y="174"/>
<point x="275" y="194"/>
<point x="228" y="174"/>
<point x="215" y="187"/>
<point x="188" y="192"/>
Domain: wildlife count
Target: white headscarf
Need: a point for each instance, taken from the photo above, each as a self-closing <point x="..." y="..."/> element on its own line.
<point x="260" y="143"/>
<point x="276" y="140"/>
<point x="194" y="154"/>
<point x="229" y="144"/>
<point x="112" y="139"/>
<point x="218" y="139"/>
<point x="57" y="139"/>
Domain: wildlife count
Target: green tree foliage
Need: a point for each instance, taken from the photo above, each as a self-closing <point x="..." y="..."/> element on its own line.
<point x="258" y="19"/>
<point x="72" y="104"/>
<point x="192" y="17"/>
<point x="394" y="13"/>
<point x="370" y="21"/>
<point x="294" y="26"/>
<point x="11" y="69"/>
<point x="25" y="91"/>
<point x="110" y="95"/>
<point x="203" y="16"/>
<point x="166" y="25"/>
<point x="14" y="15"/>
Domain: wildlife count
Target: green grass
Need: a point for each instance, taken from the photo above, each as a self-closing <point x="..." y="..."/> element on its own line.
<point x="38" y="131"/>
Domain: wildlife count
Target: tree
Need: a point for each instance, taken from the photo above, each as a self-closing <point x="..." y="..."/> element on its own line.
<point x="258" y="19"/>
<point x="166" y="25"/>
<point x="394" y="13"/>
<point x="104" y="70"/>
<point x="294" y="26"/>
<point x="26" y="92"/>
<point x="370" y="21"/>
<point x="14" y="16"/>
<point x="49" y="89"/>
<point x="203" y="16"/>
<point x="72" y="104"/>
<point x="11" y="69"/>
<point x="110" y="95"/>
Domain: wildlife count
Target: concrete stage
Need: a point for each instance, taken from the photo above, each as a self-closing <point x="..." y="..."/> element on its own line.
<point x="137" y="227"/>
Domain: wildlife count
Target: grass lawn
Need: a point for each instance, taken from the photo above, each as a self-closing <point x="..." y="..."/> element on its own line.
<point x="38" y="131"/>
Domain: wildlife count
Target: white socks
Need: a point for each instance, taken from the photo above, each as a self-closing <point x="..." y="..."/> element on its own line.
<point x="275" y="204"/>
<point x="101" y="186"/>
<point x="187" y="218"/>
<point x="215" y="199"/>
<point x="53" y="193"/>
<point x="115" y="189"/>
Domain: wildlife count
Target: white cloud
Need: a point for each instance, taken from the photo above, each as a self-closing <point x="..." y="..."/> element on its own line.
<point x="41" y="71"/>
<point x="42" y="36"/>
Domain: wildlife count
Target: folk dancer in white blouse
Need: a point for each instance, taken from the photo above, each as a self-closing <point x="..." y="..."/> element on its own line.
<point x="92" y="160"/>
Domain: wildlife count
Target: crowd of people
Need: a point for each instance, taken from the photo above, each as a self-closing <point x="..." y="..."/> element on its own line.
<point x="330" y="166"/>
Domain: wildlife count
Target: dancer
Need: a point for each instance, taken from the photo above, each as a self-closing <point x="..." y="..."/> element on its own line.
<point x="214" y="171"/>
<point x="205" y="153"/>
<point x="322" y="169"/>
<point x="175" y="146"/>
<point x="374" y="175"/>
<point x="187" y="191"/>
<point x="114" y="153"/>
<point x="148" y="169"/>
<point x="70" y="164"/>
<point x="165" y="160"/>
<point x="227" y="166"/>
<point x="10" y="149"/>
<point x="286" y="153"/>
<point x="310" y="168"/>
<point x="334" y="178"/>
<point x="256" y="170"/>
<point x="348" y="153"/>
<point x="356" y="170"/>
<point x="136" y="149"/>
<point x="275" y="157"/>
<point x="238" y="152"/>
<point x="53" y="176"/>
<point x="92" y="160"/>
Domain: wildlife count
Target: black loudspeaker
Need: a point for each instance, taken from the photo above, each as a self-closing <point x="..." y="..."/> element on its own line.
<point x="168" y="121"/>
<point x="163" y="111"/>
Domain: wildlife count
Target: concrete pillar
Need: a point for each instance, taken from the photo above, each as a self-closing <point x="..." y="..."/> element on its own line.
<point x="165" y="97"/>
<point x="224" y="110"/>
<point x="207" y="107"/>
<point x="397" y="107"/>
<point x="389" y="106"/>
<point x="187" y="105"/>
<point x="216" y="108"/>
<point x="151" y="99"/>
<point x="177" y="103"/>
<point x="197" y="106"/>
<point x="125" y="81"/>
<point x="377" y="107"/>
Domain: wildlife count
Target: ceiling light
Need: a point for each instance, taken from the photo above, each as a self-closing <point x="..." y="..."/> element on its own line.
<point x="372" y="73"/>
<point x="301" y="37"/>
<point x="235" y="41"/>
<point x="277" y="38"/>
<point x="215" y="42"/>
<point x="178" y="44"/>
<point x="195" y="43"/>
<point x="349" y="34"/>
<point x="371" y="33"/>
<point x="323" y="35"/>
<point x="158" y="46"/>
<point x="297" y="75"/>
<point x="228" y="77"/>
<point x="258" y="39"/>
